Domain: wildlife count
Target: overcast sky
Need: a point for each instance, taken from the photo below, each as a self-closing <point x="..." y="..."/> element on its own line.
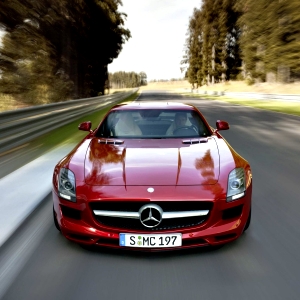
<point x="158" y="29"/>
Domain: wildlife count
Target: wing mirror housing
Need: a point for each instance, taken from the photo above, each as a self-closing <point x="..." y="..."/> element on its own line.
<point x="222" y="125"/>
<point x="85" y="126"/>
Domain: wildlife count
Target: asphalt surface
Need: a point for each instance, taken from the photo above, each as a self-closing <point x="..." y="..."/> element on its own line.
<point x="23" y="189"/>
<point x="38" y="263"/>
<point x="12" y="160"/>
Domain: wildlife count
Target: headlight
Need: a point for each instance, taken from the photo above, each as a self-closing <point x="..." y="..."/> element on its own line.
<point x="236" y="184"/>
<point x="67" y="185"/>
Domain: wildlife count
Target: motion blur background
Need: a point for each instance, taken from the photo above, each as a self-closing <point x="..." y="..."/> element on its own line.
<point x="53" y="50"/>
<point x="245" y="53"/>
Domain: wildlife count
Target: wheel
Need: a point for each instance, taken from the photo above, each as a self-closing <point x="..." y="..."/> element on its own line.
<point x="55" y="220"/>
<point x="248" y="221"/>
<point x="185" y="130"/>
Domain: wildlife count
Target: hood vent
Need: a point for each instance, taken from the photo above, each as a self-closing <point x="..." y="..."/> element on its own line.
<point x="194" y="141"/>
<point x="111" y="142"/>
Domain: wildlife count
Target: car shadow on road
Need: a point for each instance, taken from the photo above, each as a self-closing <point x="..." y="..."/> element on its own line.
<point x="161" y="254"/>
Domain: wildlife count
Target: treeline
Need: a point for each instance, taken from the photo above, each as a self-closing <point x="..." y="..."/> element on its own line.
<point x="167" y="80"/>
<point x="119" y="80"/>
<point x="238" y="39"/>
<point x="53" y="50"/>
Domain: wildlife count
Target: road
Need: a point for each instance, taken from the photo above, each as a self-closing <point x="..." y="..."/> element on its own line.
<point x="38" y="263"/>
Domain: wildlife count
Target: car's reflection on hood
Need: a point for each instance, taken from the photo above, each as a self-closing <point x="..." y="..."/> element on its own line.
<point x="126" y="164"/>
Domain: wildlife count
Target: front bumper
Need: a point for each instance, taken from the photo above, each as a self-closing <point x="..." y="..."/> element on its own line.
<point x="225" y="223"/>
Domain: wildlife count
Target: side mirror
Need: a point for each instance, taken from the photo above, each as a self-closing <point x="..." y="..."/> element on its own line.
<point x="222" y="125"/>
<point x="85" y="126"/>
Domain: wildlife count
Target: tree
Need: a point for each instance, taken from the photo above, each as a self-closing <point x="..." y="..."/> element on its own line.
<point x="194" y="50"/>
<point x="58" y="48"/>
<point x="143" y="78"/>
<point x="212" y="51"/>
<point x="270" y="38"/>
<point x="127" y="79"/>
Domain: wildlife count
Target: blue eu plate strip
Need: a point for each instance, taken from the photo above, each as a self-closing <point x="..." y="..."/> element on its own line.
<point x="122" y="239"/>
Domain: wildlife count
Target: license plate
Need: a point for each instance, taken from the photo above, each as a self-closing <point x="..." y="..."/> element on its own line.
<point x="150" y="240"/>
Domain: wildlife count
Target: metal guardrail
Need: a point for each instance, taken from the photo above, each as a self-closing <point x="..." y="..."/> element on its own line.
<point x="248" y="95"/>
<point x="23" y="125"/>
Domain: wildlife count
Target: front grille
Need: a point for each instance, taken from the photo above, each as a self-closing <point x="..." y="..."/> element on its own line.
<point x="167" y="206"/>
<point x="135" y="224"/>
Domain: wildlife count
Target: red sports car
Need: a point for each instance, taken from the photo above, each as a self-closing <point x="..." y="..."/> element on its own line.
<point x="152" y="176"/>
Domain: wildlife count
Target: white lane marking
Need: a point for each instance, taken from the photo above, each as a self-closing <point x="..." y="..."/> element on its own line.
<point x="138" y="97"/>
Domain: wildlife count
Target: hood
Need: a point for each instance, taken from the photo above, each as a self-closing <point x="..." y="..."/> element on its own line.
<point x="123" y="165"/>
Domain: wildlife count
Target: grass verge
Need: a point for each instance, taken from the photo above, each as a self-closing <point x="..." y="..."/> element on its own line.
<point x="292" y="108"/>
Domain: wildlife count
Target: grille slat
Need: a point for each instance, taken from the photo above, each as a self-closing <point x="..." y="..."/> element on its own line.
<point x="167" y="206"/>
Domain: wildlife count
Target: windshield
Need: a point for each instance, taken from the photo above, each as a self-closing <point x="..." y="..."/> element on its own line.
<point x="153" y="123"/>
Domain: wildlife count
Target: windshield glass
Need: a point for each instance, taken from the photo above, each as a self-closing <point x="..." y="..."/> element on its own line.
<point x="153" y="123"/>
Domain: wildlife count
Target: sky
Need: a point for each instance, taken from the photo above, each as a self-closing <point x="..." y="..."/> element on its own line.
<point x="158" y="29"/>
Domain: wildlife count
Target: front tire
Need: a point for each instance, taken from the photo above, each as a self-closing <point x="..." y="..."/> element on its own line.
<point x="248" y="221"/>
<point x="55" y="220"/>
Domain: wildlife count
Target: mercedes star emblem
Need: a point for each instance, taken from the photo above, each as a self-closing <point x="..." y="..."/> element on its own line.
<point x="150" y="215"/>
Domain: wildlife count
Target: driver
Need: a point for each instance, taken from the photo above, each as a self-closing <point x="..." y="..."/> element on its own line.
<point x="181" y="120"/>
